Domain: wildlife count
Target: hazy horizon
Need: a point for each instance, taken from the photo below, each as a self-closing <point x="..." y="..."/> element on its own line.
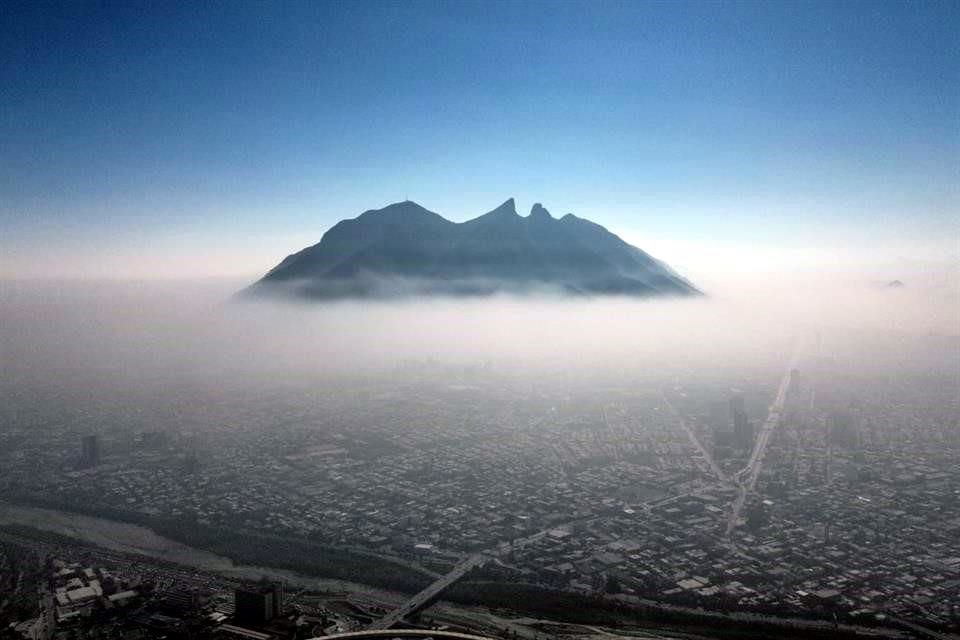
<point x="198" y="328"/>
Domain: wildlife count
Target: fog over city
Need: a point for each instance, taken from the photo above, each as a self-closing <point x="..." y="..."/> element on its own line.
<point x="479" y="319"/>
<point x="587" y="455"/>
<point x="105" y="330"/>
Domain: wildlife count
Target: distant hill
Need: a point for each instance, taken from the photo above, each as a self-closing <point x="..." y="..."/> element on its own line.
<point x="406" y="250"/>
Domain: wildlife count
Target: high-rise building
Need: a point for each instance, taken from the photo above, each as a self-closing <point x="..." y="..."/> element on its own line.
<point x="742" y="430"/>
<point x="258" y="603"/>
<point x="737" y="405"/>
<point x="90" y="451"/>
<point x="742" y="427"/>
<point x="181" y="601"/>
<point x="277" y="588"/>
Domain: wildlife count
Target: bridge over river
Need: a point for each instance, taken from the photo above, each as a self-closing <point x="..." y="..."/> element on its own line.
<point x="429" y="594"/>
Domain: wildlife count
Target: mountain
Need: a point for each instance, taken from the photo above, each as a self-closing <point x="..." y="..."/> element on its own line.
<point x="404" y="250"/>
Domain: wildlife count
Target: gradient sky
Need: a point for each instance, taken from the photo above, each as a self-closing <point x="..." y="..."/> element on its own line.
<point x="169" y="140"/>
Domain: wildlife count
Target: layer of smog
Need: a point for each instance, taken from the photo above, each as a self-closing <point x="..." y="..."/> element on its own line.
<point x="517" y="320"/>
<point x="195" y="330"/>
<point x="476" y="446"/>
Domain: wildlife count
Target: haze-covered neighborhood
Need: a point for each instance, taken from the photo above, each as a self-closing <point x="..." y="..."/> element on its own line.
<point x="276" y="365"/>
<point x="803" y="481"/>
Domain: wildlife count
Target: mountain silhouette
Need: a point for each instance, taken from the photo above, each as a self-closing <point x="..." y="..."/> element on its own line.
<point x="405" y="250"/>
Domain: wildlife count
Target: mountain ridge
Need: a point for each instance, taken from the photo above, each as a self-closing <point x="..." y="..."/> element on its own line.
<point x="404" y="249"/>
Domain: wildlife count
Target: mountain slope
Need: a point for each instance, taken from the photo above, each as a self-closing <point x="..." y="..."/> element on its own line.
<point x="404" y="249"/>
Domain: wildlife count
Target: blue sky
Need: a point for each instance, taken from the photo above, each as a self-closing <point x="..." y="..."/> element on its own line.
<point x="165" y="139"/>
